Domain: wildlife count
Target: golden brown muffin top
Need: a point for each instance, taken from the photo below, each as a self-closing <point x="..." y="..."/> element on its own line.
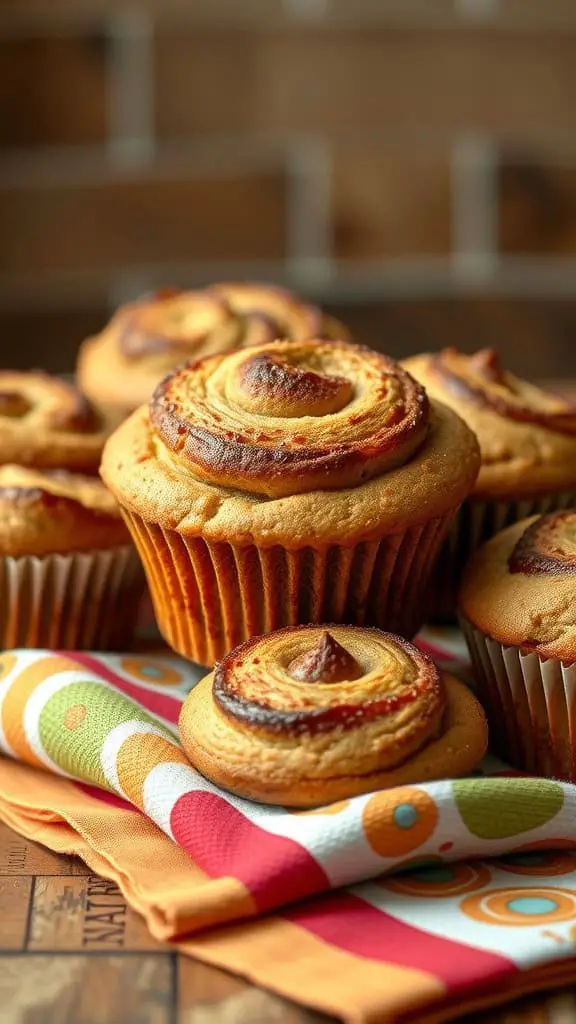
<point x="144" y="339"/>
<point x="310" y="713"/>
<point x="292" y="443"/>
<point x="520" y="588"/>
<point x="527" y="436"/>
<point x="47" y="423"/>
<point x="53" y="511"/>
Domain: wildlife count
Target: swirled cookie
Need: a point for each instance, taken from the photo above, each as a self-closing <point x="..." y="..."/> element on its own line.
<point x="312" y="714"/>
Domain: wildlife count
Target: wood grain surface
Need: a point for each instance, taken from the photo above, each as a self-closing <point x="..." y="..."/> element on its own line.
<point x="72" y="952"/>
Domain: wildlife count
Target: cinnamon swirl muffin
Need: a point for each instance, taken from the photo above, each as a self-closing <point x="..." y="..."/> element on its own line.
<point x="69" y="575"/>
<point x="120" y="367"/>
<point x="47" y="423"/>
<point x="313" y="714"/>
<point x="527" y="441"/>
<point x="518" y="608"/>
<point x="288" y="483"/>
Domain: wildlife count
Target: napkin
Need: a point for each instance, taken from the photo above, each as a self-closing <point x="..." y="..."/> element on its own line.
<point x="414" y="903"/>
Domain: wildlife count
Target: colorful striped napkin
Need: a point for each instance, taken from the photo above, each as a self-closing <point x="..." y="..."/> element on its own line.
<point x="418" y="925"/>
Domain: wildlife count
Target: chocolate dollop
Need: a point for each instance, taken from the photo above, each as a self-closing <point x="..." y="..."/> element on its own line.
<point x="328" y="662"/>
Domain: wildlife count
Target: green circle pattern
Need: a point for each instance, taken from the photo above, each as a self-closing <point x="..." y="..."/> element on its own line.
<point x="78" y="752"/>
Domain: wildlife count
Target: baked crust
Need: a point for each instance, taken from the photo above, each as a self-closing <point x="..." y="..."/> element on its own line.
<point x="355" y="453"/>
<point x="254" y="728"/>
<point x="144" y="339"/>
<point x="527" y="437"/>
<point x="48" y="512"/>
<point x="47" y="423"/>
<point x="519" y="588"/>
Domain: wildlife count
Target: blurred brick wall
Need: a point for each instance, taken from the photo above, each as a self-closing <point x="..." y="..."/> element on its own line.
<point x="411" y="164"/>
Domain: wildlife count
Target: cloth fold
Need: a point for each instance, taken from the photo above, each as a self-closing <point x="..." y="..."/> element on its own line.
<point x="94" y="768"/>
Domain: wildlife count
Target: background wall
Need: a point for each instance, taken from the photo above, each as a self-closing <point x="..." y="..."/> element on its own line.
<point x="410" y="164"/>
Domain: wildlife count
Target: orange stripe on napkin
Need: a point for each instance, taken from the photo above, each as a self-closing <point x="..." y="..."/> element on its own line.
<point x="138" y="755"/>
<point x="296" y="963"/>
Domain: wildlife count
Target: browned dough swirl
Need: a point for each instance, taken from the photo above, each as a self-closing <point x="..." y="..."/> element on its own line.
<point x="290" y="417"/>
<point x="547" y="546"/>
<point x="386" y="676"/>
<point x="310" y="714"/>
<point x="481" y="379"/>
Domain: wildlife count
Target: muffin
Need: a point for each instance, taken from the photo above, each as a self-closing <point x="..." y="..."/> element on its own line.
<point x="289" y="483"/>
<point x="527" y="441"/>
<point x="518" y="609"/>
<point x="69" y="574"/>
<point x="47" y="423"/>
<point x="120" y="367"/>
<point x="313" y="714"/>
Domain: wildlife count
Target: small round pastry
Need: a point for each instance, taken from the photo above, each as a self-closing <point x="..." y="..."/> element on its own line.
<point x="69" y="575"/>
<point x="313" y="714"/>
<point x="518" y="610"/>
<point x="46" y="422"/>
<point x="527" y="442"/>
<point x="288" y="483"/>
<point x="120" y="367"/>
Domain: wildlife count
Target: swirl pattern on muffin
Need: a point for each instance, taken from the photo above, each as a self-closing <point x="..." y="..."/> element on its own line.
<point x="547" y="546"/>
<point x="288" y="417"/>
<point x="47" y="422"/>
<point x="519" y="587"/>
<point x="148" y="337"/>
<point x="41" y="402"/>
<point x="482" y="379"/>
<point x="48" y="511"/>
<point x="527" y="436"/>
<point x="179" y="325"/>
<point x="310" y="714"/>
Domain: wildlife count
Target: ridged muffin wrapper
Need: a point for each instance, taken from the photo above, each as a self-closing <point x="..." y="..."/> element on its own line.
<point x="82" y="600"/>
<point x="530" y="704"/>
<point x="210" y="596"/>
<point x="475" y="523"/>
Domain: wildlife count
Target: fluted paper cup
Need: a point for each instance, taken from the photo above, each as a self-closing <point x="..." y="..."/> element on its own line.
<point x="209" y="597"/>
<point x="530" y="703"/>
<point x="82" y="600"/>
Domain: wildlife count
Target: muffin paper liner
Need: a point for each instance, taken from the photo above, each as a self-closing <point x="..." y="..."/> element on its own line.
<point x="210" y="596"/>
<point x="84" y="600"/>
<point x="474" y="523"/>
<point x="530" y="703"/>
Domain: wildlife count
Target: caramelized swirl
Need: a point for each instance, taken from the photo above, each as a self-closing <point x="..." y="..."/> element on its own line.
<point x="290" y="417"/>
<point x="385" y="678"/>
<point x="311" y="714"/>
<point x="547" y="546"/>
<point x="47" y="423"/>
<point x="36" y="401"/>
<point x="173" y="325"/>
<point x="481" y="379"/>
<point x="55" y="511"/>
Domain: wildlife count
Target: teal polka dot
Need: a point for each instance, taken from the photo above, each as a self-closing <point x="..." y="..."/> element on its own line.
<point x="405" y="815"/>
<point x="151" y="670"/>
<point x="531" y="905"/>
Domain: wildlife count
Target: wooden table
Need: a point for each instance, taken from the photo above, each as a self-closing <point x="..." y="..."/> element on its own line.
<point x="72" y="952"/>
